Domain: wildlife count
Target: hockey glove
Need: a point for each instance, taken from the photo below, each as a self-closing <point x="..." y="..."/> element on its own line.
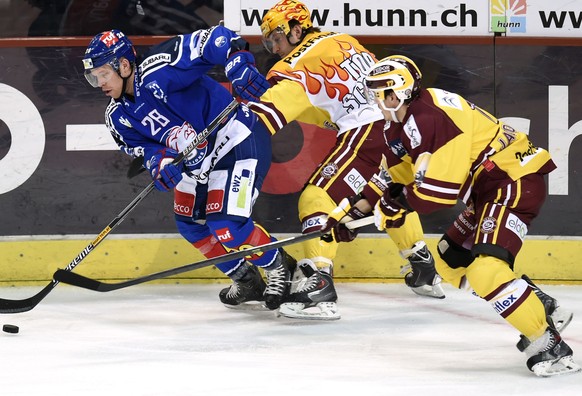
<point x="346" y="211"/>
<point x="165" y="174"/>
<point x="246" y="80"/>
<point x="389" y="213"/>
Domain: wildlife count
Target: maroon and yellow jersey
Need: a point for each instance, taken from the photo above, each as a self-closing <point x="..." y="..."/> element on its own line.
<point x="447" y="149"/>
<point x="321" y="83"/>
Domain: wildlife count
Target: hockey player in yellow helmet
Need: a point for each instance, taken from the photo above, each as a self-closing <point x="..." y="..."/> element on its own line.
<point x="444" y="149"/>
<point x="282" y="13"/>
<point x="312" y="60"/>
<point x="285" y="26"/>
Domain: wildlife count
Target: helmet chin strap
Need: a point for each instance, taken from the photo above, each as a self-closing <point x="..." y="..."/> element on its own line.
<point x="393" y="111"/>
<point x="394" y="116"/>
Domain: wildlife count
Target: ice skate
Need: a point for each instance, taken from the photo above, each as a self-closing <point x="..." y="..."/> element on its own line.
<point x="549" y="355"/>
<point x="245" y="293"/>
<point x="560" y="316"/>
<point x="279" y="279"/>
<point x="421" y="275"/>
<point x="313" y="295"/>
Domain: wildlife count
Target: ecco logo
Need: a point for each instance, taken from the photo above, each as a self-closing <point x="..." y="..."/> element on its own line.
<point x="213" y="207"/>
<point x="182" y="209"/>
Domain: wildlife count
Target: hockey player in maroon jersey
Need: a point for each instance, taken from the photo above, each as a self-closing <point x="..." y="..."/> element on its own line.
<point x="441" y="149"/>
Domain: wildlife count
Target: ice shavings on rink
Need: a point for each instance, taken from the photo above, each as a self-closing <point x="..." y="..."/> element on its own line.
<point x="179" y="340"/>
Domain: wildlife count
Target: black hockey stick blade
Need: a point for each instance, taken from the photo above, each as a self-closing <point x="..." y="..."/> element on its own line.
<point x="75" y="279"/>
<point x="19" y="306"/>
<point x="135" y="168"/>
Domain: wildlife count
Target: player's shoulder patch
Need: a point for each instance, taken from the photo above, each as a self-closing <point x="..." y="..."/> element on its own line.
<point x="200" y="39"/>
<point x="161" y="55"/>
<point x="447" y="99"/>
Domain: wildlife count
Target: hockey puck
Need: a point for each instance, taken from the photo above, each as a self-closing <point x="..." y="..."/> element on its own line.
<point x="8" y="328"/>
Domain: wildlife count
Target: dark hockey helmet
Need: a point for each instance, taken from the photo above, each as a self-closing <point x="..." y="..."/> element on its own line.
<point x="395" y="73"/>
<point x="107" y="48"/>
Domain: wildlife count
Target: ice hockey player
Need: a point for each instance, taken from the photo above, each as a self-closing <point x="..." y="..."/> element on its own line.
<point x="319" y="81"/>
<point x="158" y="107"/>
<point x="443" y="148"/>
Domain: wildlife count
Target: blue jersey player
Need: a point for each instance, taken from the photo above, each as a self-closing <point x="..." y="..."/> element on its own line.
<point x="158" y="107"/>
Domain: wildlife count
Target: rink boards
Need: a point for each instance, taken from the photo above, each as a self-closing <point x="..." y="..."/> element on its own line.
<point x="370" y="258"/>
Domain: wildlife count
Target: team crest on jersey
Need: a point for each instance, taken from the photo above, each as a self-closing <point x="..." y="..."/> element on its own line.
<point x="157" y="91"/>
<point x="397" y="148"/>
<point x="220" y="41"/>
<point x="329" y="170"/>
<point x="488" y="225"/>
<point x="180" y="137"/>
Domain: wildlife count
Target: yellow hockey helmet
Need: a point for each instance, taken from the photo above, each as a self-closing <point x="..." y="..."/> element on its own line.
<point x="396" y="73"/>
<point x="280" y="14"/>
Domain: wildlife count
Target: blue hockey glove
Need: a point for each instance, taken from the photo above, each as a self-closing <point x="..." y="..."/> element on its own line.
<point x="246" y="80"/>
<point x="165" y="174"/>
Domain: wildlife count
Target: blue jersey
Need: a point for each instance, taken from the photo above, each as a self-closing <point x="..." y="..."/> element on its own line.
<point x="175" y="100"/>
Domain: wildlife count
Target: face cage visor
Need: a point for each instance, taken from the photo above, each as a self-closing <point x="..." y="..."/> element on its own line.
<point x="101" y="75"/>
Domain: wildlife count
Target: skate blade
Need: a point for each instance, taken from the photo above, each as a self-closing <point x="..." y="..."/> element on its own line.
<point x="321" y="311"/>
<point x="565" y="365"/>
<point x="248" y="306"/>
<point x="435" y="291"/>
<point x="561" y="318"/>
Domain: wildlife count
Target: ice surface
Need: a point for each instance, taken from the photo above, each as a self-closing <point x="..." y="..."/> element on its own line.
<point x="179" y="340"/>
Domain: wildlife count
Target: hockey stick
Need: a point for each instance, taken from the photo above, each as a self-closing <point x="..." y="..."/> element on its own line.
<point x="135" y="168"/>
<point x="75" y="279"/>
<point x="17" y="306"/>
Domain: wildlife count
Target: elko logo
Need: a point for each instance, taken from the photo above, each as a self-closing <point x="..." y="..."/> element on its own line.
<point x="508" y="16"/>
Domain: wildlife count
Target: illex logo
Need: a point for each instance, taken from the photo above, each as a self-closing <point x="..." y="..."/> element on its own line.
<point x="508" y="16"/>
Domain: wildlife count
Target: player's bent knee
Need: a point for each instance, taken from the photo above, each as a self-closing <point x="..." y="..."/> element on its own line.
<point x="453" y="254"/>
<point x="487" y="273"/>
<point x="451" y="262"/>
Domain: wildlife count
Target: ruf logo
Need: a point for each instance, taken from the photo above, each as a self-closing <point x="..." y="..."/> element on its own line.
<point x="508" y="16"/>
<point x="109" y="39"/>
<point x="223" y="235"/>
